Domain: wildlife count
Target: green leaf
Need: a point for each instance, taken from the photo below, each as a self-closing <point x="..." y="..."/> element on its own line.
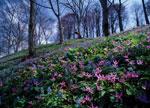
<point x="128" y="92"/>
<point x="102" y="93"/>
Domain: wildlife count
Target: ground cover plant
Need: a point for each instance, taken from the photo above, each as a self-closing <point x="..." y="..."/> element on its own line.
<point x="111" y="73"/>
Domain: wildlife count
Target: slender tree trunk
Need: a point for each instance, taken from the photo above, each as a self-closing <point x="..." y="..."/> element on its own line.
<point x="104" y="4"/>
<point x="105" y="22"/>
<point x="137" y="21"/>
<point x="145" y="13"/>
<point x="31" y="29"/>
<point x="60" y="24"/>
<point x="120" y="20"/>
<point x="79" y="30"/>
<point x="61" y="31"/>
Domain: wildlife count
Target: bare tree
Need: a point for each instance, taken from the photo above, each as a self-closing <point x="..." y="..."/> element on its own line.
<point x="148" y="7"/>
<point x="137" y="11"/>
<point x="113" y="19"/>
<point x="105" y="7"/>
<point x="145" y="12"/>
<point x="79" y="8"/>
<point x="69" y="23"/>
<point x="97" y="11"/>
<point x="120" y="8"/>
<point x="58" y="15"/>
<point x="31" y="29"/>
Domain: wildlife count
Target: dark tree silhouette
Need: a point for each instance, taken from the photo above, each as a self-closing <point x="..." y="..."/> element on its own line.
<point x="31" y="29"/>
<point x="145" y="12"/>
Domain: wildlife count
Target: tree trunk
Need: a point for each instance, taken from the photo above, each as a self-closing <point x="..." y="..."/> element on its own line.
<point x="145" y="13"/>
<point x="61" y="31"/>
<point x="120" y="20"/>
<point x="60" y="24"/>
<point x="31" y="29"/>
<point x="104" y="4"/>
<point x="137" y="21"/>
<point x="79" y="30"/>
<point x="105" y="22"/>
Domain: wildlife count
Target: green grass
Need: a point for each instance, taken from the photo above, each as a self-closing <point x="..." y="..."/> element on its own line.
<point x="15" y="58"/>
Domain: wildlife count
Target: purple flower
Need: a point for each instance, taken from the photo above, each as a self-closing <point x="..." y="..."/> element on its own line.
<point x="92" y="106"/>
<point x="118" y="96"/>
<point x="31" y="103"/>
<point x="143" y="98"/>
<point x="139" y="62"/>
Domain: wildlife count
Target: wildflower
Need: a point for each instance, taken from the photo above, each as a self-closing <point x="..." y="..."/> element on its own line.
<point x="49" y="90"/>
<point x="42" y="90"/>
<point x="60" y="93"/>
<point x="113" y="77"/>
<point x="81" y="65"/>
<point x="148" y="46"/>
<point x="101" y="63"/>
<point x="121" y="80"/>
<point x="115" y="50"/>
<point x="130" y="69"/>
<point x="63" y="84"/>
<point x="75" y="86"/>
<point x="92" y="106"/>
<point x="134" y="75"/>
<point x="139" y="62"/>
<point x="99" y="87"/>
<point x="143" y="98"/>
<point x="115" y="63"/>
<point x="118" y="96"/>
<point x="132" y="62"/>
<point x="18" y="98"/>
<point x="25" y="88"/>
<point x="88" y="89"/>
<point x="100" y="77"/>
<point x="31" y="103"/>
<point x="88" y="98"/>
<point x="31" y="68"/>
<point x="128" y="75"/>
<point x="53" y="79"/>
<point x="107" y="77"/>
<point x="85" y="55"/>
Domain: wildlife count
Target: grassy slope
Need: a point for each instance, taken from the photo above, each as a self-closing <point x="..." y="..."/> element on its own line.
<point x="15" y="58"/>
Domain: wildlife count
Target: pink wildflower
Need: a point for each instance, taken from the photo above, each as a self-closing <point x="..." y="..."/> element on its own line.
<point x="88" y="98"/>
<point x="139" y="62"/>
<point x="92" y="106"/>
<point x="115" y="63"/>
<point x="75" y="86"/>
<point x="132" y="62"/>
<point x="99" y="87"/>
<point x="118" y="95"/>
<point x="31" y="103"/>
<point x="88" y="89"/>
<point x="148" y="46"/>
<point x="63" y="84"/>
<point x="25" y="88"/>
<point x="101" y="63"/>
